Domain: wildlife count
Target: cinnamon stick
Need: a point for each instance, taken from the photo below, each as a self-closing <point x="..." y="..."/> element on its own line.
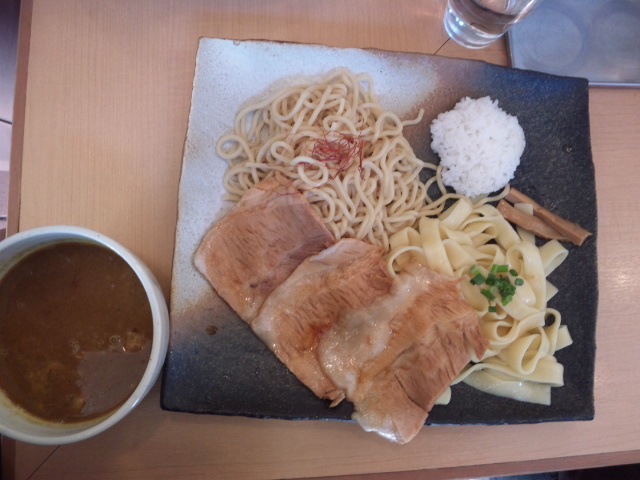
<point x="572" y="232"/>
<point x="533" y="224"/>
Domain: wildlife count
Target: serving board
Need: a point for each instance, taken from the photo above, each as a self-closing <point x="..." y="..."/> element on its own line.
<point x="216" y="365"/>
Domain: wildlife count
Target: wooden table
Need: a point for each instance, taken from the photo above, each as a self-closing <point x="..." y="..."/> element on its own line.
<point x="101" y="113"/>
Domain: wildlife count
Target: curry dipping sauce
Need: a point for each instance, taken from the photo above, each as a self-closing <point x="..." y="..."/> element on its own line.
<point x="75" y="332"/>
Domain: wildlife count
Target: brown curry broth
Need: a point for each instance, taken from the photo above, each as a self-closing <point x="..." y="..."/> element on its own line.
<point x="75" y="332"/>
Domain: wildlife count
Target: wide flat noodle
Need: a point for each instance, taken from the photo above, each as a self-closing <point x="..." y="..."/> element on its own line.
<point x="523" y="335"/>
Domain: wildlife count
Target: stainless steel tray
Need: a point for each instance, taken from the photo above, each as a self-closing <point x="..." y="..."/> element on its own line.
<point x="597" y="39"/>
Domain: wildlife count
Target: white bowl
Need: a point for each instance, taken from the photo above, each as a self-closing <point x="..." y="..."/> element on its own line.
<point x="14" y="422"/>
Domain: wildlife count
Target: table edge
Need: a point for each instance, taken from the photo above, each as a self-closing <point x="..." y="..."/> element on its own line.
<point x="525" y="467"/>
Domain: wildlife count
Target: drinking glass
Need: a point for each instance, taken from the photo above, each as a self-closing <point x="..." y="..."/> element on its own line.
<point x="477" y="23"/>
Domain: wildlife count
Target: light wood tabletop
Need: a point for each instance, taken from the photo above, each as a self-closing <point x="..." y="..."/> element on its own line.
<point x="102" y="104"/>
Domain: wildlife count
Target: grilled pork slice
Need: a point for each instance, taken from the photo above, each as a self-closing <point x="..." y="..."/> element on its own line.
<point x="348" y="276"/>
<point x="259" y="242"/>
<point x="396" y="358"/>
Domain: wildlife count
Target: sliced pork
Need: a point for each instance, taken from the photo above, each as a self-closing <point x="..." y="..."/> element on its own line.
<point x="347" y="329"/>
<point x="259" y="242"/>
<point x="348" y="276"/>
<point x="332" y="313"/>
<point x="396" y="358"/>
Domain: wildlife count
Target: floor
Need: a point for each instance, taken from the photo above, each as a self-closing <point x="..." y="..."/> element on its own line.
<point x="9" y="14"/>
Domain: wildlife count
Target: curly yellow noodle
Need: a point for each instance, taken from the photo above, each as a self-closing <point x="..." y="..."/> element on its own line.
<point x="369" y="202"/>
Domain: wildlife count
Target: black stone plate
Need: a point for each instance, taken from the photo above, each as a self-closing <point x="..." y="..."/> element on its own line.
<point x="217" y="365"/>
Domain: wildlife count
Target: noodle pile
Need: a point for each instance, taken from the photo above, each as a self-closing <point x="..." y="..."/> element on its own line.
<point x="524" y="334"/>
<point x="349" y="157"/>
<point x="371" y="192"/>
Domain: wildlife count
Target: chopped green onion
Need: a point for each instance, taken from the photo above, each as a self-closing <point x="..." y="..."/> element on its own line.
<point x="507" y="289"/>
<point x="497" y="285"/>
<point x="488" y="294"/>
